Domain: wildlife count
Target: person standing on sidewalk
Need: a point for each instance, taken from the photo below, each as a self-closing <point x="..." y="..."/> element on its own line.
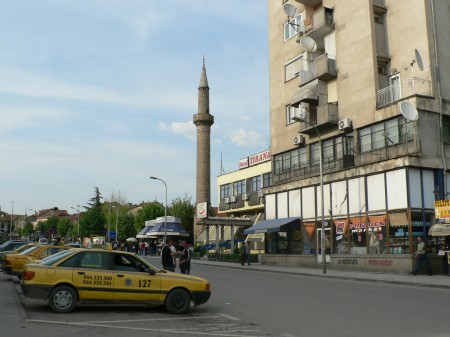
<point x="421" y="257"/>
<point x="167" y="256"/>
<point x="247" y="252"/>
<point x="242" y="251"/>
<point x="185" y="258"/>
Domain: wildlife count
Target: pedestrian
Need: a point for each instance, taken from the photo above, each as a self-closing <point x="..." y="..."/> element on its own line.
<point x="142" y="248"/>
<point x="185" y="258"/>
<point x="421" y="257"/>
<point x="247" y="252"/>
<point x="167" y="256"/>
<point x="242" y="251"/>
<point x="146" y="245"/>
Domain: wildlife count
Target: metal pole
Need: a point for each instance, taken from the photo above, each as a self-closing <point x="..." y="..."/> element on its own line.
<point x="322" y="206"/>
<point x="11" y="224"/>
<point x="165" y="209"/>
<point x="117" y="221"/>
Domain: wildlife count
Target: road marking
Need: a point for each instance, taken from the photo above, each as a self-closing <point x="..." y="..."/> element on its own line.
<point x="174" y="331"/>
<point x="157" y="319"/>
<point x="229" y="317"/>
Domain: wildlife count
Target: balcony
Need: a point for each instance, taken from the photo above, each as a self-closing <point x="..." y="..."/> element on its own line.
<point x="322" y="67"/>
<point x="310" y="3"/>
<point x="324" y="117"/>
<point x="321" y="24"/>
<point x="396" y="92"/>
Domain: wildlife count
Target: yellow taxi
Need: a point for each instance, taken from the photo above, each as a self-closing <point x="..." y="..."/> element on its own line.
<point x="15" y="263"/>
<point x="15" y="251"/>
<point x="97" y="276"/>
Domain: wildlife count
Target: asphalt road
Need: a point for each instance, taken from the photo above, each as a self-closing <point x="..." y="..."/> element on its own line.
<point x="249" y="303"/>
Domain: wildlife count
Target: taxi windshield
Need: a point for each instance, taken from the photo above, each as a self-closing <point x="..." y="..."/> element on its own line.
<point x="25" y="252"/>
<point x="49" y="260"/>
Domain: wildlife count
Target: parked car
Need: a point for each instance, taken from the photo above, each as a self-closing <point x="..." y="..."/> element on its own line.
<point x="99" y="276"/>
<point x="12" y="244"/>
<point x="15" y="263"/>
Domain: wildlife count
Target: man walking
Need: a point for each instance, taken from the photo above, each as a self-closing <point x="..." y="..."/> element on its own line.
<point x="247" y="252"/>
<point x="185" y="258"/>
<point x="421" y="256"/>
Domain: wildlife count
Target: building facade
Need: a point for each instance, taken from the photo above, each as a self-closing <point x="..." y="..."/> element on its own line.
<point x="358" y="100"/>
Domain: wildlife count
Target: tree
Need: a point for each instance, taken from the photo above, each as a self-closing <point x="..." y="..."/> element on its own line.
<point x="126" y="226"/>
<point x="148" y="212"/>
<point x="92" y="223"/>
<point x="116" y="196"/>
<point x="184" y="209"/>
<point x="93" y="220"/>
<point x="51" y="224"/>
<point x="63" y="227"/>
<point x="27" y="229"/>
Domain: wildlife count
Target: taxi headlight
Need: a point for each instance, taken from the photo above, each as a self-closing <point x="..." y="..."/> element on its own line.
<point x="208" y="287"/>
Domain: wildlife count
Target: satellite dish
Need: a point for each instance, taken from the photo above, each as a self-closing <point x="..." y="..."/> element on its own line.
<point x="419" y="60"/>
<point x="308" y="44"/>
<point x="409" y="111"/>
<point x="290" y="10"/>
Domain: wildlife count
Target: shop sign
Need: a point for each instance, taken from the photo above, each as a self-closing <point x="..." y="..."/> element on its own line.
<point x="202" y="210"/>
<point x="357" y="226"/>
<point x="243" y="163"/>
<point x="384" y="262"/>
<point x="340" y="225"/>
<point x="377" y="224"/>
<point x="442" y="209"/>
<point x="254" y="159"/>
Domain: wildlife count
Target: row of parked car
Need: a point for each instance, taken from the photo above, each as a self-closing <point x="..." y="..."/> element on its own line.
<point x="66" y="277"/>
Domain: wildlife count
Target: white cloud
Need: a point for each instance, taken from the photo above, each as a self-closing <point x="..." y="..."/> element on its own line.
<point x="242" y="137"/>
<point x="186" y="129"/>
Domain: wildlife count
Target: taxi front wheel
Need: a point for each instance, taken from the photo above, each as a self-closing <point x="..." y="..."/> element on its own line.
<point x="178" y="301"/>
<point x="62" y="299"/>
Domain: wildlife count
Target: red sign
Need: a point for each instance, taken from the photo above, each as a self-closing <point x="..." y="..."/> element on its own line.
<point x="255" y="159"/>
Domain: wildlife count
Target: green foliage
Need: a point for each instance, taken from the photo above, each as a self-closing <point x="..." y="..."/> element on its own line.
<point x="126" y="226"/>
<point x="51" y="223"/>
<point x="148" y="212"/>
<point x="92" y="223"/>
<point x="95" y="201"/>
<point x="184" y="209"/>
<point x="63" y="227"/>
<point x="27" y="229"/>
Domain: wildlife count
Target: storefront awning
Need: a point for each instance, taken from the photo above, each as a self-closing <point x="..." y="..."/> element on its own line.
<point x="169" y="228"/>
<point x="439" y="230"/>
<point x="398" y="219"/>
<point x="142" y="233"/>
<point x="271" y="226"/>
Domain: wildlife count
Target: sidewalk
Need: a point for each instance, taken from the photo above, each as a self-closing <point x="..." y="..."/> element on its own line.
<point x="437" y="281"/>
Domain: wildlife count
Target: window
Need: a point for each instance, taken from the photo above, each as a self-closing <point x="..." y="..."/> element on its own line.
<point x="239" y="187"/>
<point x="278" y="162"/>
<point x="225" y="191"/>
<point x="255" y="184"/>
<point x="365" y="139"/>
<point x="378" y="136"/>
<point x="292" y="68"/>
<point x="392" y="132"/>
<point x="286" y="162"/>
<point x="328" y="153"/>
<point x="378" y="18"/>
<point x="315" y="154"/>
<point x="267" y="179"/>
<point x="446" y="129"/>
<point x="292" y="27"/>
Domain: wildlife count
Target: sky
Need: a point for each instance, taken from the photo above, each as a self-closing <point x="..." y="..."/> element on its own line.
<point x="101" y="93"/>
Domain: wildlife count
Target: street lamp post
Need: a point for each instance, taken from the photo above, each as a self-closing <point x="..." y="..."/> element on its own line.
<point x="117" y="221"/>
<point x="322" y="247"/>
<point x="165" y="210"/>
<point x="11" y="223"/>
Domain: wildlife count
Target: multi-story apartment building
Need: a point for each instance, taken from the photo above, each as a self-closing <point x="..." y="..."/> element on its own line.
<point x="339" y="71"/>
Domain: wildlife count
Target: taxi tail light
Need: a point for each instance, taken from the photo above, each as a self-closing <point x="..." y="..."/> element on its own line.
<point x="208" y="287"/>
<point x="28" y="275"/>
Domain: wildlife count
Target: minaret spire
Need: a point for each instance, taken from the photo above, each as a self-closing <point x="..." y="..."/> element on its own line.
<point x="203" y="121"/>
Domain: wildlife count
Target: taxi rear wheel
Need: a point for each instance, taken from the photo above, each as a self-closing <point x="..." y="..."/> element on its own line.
<point x="62" y="299"/>
<point x="178" y="301"/>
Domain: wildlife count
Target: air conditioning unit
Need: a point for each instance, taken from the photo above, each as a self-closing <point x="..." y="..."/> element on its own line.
<point x="227" y="200"/>
<point x="233" y="199"/>
<point x="345" y="124"/>
<point x="299" y="140"/>
<point x="245" y="196"/>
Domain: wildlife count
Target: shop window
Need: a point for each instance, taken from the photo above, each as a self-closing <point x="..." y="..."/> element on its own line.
<point x="358" y="235"/>
<point x="341" y="238"/>
<point x="377" y="234"/>
<point x="398" y="233"/>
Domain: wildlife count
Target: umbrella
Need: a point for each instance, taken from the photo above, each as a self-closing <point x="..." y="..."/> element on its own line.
<point x="131" y="239"/>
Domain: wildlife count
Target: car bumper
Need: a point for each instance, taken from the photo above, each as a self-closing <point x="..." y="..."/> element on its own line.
<point x="200" y="297"/>
<point x="35" y="291"/>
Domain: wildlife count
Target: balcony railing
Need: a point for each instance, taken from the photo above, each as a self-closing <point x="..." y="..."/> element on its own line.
<point x="321" y="24"/>
<point x="323" y="117"/>
<point x="410" y="87"/>
<point x="322" y="67"/>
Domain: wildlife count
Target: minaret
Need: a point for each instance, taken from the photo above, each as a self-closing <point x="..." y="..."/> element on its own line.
<point x="203" y="121"/>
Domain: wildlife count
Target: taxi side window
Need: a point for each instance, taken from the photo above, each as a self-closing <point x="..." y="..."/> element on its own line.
<point x="92" y="260"/>
<point x="128" y="263"/>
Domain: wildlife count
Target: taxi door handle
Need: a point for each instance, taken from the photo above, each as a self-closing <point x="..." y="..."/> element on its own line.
<point x="120" y="275"/>
<point x="81" y="273"/>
